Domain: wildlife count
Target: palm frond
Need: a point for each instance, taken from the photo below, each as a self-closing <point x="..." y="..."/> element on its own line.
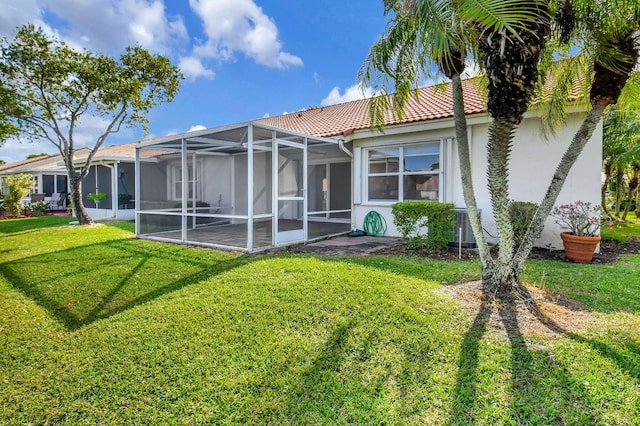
<point x="509" y="15"/>
<point x="567" y="83"/>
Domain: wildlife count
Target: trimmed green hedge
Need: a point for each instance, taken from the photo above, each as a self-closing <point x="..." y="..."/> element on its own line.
<point x="426" y="225"/>
<point x="521" y="213"/>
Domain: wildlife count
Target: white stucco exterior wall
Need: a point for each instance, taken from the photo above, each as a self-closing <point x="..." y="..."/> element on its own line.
<point x="533" y="162"/>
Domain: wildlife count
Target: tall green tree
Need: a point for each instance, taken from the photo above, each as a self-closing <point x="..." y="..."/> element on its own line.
<point x="620" y="156"/>
<point x="42" y="154"/>
<point x="47" y="88"/>
<point x="608" y="35"/>
<point x="514" y="51"/>
<point x="422" y="34"/>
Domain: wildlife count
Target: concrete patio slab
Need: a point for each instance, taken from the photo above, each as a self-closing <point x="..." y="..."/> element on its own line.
<point x="341" y="246"/>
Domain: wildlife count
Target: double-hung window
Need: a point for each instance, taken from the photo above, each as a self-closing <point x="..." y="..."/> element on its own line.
<point x="404" y="173"/>
<point x="193" y="181"/>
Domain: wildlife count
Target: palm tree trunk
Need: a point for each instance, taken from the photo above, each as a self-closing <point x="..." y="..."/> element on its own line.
<point x="633" y="187"/>
<point x="605" y="185"/>
<point x="619" y="179"/>
<point x="498" y="151"/>
<point x="462" y="138"/>
<point x="575" y="148"/>
<point x="638" y="201"/>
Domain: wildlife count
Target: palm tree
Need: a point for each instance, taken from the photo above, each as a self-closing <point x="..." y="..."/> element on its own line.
<point x="443" y="33"/>
<point x="620" y="151"/>
<point x="512" y="41"/>
<point x="422" y="33"/>
<point x="608" y="32"/>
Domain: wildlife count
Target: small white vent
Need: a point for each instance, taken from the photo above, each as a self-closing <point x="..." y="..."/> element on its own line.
<point x="465" y="237"/>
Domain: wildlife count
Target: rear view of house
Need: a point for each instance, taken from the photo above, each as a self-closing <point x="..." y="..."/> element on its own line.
<point x="319" y="172"/>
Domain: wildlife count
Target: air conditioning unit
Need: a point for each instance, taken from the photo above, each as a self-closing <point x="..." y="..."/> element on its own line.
<point x="462" y="233"/>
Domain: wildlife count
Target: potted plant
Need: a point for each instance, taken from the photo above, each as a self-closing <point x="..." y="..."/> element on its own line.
<point x="583" y="220"/>
<point x="97" y="197"/>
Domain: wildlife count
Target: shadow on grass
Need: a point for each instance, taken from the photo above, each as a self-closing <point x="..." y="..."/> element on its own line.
<point x="467" y="380"/>
<point x="537" y="380"/>
<point x="317" y="385"/>
<point x="83" y="284"/>
<point x="630" y="363"/>
<point x="30" y="224"/>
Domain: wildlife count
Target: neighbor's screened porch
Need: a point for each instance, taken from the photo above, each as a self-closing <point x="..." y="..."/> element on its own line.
<point x="246" y="187"/>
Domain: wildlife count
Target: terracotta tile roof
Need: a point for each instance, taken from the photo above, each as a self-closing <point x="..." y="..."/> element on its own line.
<point x="432" y="103"/>
<point x="28" y="161"/>
<point x="127" y="150"/>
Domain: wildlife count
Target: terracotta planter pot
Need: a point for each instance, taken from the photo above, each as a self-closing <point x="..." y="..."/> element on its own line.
<point x="579" y="249"/>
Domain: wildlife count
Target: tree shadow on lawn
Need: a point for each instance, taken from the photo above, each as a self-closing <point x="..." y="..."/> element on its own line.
<point x="317" y="391"/>
<point x="83" y="284"/>
<point x="629" y="363"/>
<point x="543" y="389"/>
<point x="538" y="382"/>
<point x="11" y="227"/>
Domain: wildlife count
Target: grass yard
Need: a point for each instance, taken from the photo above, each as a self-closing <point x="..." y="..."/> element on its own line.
<point x="619" y="231"/>
<point x="99" y="328"/>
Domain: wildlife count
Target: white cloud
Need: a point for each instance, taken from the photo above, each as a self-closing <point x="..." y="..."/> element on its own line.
<point x="196" y="128"/>
<point x="428" y="81"/>
<point x="103" y="25"/>
<point x="230" y="27"/>
<point x="12" y="150"/>
<point x="192" y="68"/>
<point x="85" y="135"/>
<point x="90" y="127"/>
<point x="266" y="115"/>
<point x="150" y="26"/>
<point x="240" y="26"/>
<point x="15" y="14"/>
<point x="353" y="93"/>
<point x="316" y="77"/>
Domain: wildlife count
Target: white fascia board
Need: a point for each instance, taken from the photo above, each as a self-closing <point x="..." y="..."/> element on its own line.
<point x="418" y="126"/>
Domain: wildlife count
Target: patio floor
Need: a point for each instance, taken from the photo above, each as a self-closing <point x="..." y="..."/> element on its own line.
<point x="236" y="235"/>
<point x="345" y="245"/>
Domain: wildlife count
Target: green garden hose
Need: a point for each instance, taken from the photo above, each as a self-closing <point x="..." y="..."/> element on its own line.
<point x="374" y="224"/>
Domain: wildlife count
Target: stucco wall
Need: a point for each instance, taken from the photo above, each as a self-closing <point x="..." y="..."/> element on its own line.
<point x="533" y="161"/>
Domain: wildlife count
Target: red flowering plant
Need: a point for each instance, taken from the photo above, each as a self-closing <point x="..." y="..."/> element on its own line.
<point x="581" y="217"/>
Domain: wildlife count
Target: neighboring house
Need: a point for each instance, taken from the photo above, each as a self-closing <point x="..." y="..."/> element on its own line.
<point x="112" y="172"/>
<point x="185" y="176"/>
<point x="49" y="176"/>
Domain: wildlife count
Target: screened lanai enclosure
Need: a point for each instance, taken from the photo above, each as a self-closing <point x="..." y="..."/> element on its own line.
<point x="246" y="187"/>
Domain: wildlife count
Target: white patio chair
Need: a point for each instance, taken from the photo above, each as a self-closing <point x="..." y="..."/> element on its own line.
<point x="57" y="201"/>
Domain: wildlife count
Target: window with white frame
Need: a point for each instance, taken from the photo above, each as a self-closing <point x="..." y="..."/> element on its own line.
<point x="194" y="183"/>
<point x="404" y="173"/>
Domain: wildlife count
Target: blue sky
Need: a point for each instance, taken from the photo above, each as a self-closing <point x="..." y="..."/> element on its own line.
<point x="243" y="59"/>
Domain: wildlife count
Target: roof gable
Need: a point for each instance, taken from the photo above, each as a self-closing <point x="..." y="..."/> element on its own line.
<point x="30" y="162"/>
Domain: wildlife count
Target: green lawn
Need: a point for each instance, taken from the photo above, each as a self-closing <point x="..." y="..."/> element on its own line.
<point x="11" y="226"/>
<point x="99" y="328"/>
<point x="619" y="231"/>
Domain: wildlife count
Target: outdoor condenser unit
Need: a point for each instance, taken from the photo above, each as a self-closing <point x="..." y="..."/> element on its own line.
<point x="464" y="238"/>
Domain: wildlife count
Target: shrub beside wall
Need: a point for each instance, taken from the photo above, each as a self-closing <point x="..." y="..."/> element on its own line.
<point x="521" y="213"/>
<point x="426" y="225"/>
<point x="19" y="187"/>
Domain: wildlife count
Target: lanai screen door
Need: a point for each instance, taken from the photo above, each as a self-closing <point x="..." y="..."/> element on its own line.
<point x="290" y="182"/>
